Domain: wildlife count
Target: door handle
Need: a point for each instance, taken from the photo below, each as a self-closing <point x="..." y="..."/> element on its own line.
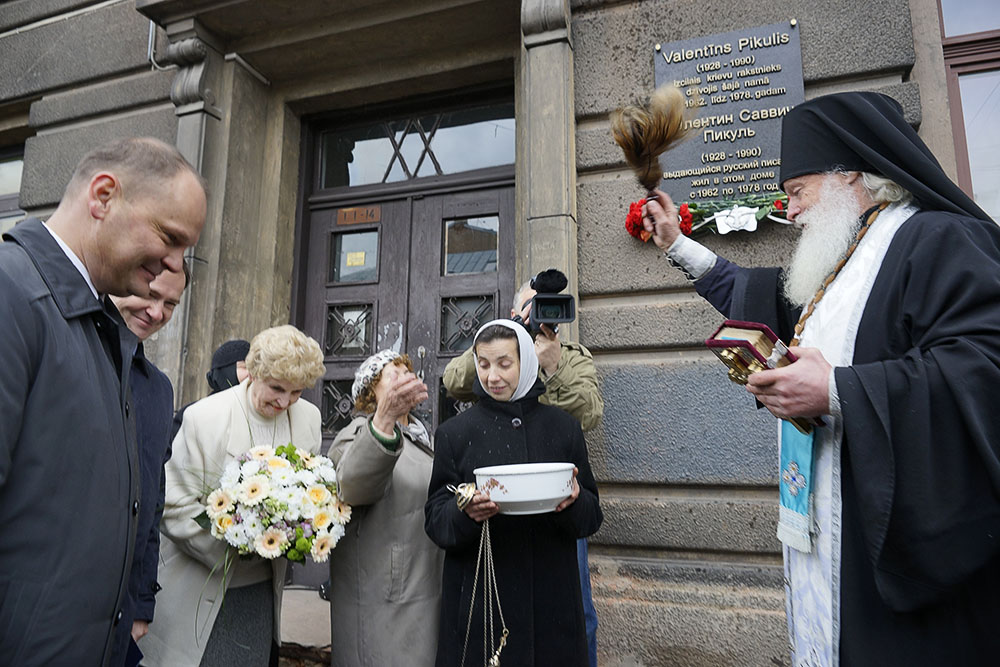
<point x="421" y="355"/>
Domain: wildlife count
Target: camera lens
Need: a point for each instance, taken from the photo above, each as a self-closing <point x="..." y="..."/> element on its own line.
<point x="550" y="311"/>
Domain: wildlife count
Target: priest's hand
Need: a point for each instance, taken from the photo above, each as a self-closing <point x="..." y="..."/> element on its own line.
<point x="801" y="389"/>
<point x="660" y="217"/>
<point x="573" y="496"/>
<point x="481" y="507"/>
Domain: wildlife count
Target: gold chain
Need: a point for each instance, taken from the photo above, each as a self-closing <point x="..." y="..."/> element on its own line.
<point x="818" y="296"/>
<point x="491" y="594"/>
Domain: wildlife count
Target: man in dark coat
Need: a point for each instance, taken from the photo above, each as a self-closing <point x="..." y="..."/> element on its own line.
<point x="534" y="556"/>
<point x="897" y="279"/>
<point x="69" y="481"/>
<point x="153" y="403"/>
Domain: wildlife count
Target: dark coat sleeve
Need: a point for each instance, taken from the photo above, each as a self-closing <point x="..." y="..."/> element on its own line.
<point x="446" y="525"/>
<point x="154" y="415"/>
<point x="752" y="295"/>
<point x="921" y="426"/>
<point x="16" y="359"/>
<point x="584" y="517"/>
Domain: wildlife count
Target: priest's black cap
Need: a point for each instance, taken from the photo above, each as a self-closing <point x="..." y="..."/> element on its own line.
<point x="863" y="131"/>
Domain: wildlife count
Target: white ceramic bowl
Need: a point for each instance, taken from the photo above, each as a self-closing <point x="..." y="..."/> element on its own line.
<point x="526" y="488"/>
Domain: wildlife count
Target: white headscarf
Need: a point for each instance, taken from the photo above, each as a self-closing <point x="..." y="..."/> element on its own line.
<point x="526" y="347"/>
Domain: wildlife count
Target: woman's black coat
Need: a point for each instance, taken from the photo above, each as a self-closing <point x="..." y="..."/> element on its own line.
<point x="534" y="555"/>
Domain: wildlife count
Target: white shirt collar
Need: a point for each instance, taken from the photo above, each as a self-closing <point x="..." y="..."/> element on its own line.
<point x="74" y="259"/>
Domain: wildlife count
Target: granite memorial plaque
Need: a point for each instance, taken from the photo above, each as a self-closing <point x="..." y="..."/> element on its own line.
<point x="740" y="84"/>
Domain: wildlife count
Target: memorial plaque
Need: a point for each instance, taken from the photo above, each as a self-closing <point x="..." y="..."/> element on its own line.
<point x="741" y="84"/>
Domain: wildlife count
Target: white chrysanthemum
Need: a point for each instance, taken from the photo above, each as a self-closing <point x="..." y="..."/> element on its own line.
<point x="327" y="474"/>
<point x="336" y="531"/>
<point x="306" y="477"/>
<point x="254" y="490"/>
<point x="283" y="476"/>
<point x="322" y="545"/>
<point x="252" y="525"/>
<point x="271" y="543"/>
<point x="307" y="509"/>
<point x="221" y="524"/>
<point x="341" y="512"/>
<point x="319" y="494"/>
<point x="322" y="518"/>
<point x="260" y="453"/>
<point x="230" y="476"/>
<point x="250" y="468"/>
<point x="237" y="535"/>
<point x="219" y="502"/>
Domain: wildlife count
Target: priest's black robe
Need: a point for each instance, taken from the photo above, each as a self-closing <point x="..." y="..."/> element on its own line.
<point x="920" y="559"/>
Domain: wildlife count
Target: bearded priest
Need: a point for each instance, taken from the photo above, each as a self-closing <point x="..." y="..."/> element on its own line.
<point x="892" y="554"/>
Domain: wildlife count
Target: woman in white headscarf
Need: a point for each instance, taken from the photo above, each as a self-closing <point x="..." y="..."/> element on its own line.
<point x="534" y="556"/>
<point x="385" y="575"/>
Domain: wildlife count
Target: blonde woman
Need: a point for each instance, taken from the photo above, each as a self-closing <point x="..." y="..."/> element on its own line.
<point x="192" y="627"/>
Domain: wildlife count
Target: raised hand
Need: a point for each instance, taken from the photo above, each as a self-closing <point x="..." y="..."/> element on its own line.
<point x="660" y="217"/>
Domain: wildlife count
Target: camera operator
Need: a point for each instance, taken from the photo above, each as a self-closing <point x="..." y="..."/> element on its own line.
<point x="567" y="369"/>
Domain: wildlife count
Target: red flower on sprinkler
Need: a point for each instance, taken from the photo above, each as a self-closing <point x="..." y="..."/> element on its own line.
<point x="633" y="221"/>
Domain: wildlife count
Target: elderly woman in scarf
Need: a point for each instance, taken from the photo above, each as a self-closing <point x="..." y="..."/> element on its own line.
<point x="193" y="626"/>
<point x="534" y="556"/>
<point x="385" y="587"/>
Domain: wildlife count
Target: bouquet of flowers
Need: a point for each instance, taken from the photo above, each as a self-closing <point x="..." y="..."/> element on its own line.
<point x="278" y="502"/>
<point x="719" y="216"/>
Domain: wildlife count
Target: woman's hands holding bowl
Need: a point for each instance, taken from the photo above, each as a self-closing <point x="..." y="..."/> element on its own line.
<point x="481" y="507"/>
<point x="573" y="496"/>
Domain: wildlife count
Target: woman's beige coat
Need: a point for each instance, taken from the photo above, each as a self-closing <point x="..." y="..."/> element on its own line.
<point x="385" y="592"/>
<point x="214" y="432"/>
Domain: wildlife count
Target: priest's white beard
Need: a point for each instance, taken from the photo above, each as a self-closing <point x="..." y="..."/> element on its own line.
<point x="830" y="227"/>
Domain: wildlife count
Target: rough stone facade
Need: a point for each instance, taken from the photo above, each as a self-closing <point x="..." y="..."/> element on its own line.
<point x="686" y="570"/>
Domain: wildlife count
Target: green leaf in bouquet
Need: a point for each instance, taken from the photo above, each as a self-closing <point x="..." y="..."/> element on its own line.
<point x="203" y="521"/>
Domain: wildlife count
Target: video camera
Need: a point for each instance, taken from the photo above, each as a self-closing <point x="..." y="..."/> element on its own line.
<point x="548" y="306"/>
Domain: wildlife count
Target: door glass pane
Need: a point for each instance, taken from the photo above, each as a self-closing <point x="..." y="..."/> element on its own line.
<point x="461" y="317"/>
<point x="962" y="17"/>
<point x="337" y="405"/>
<point x="10" y="175"/>
<point x="349" y="330"/>
<point x="426" y="145"/>
<point x="356" y="156"/>
<point x="981" y="111"/>
<point x="470" y="245"/>
<point x="354" y="257"/>
<point x="474" y="139"/>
